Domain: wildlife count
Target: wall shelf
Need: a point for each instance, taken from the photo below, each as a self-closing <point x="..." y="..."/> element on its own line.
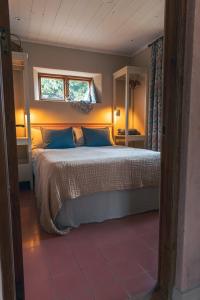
<point x="131" y="102"/>
<point x="22" y="116"/>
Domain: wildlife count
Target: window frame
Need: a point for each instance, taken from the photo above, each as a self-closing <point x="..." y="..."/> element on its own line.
<point x="65" y="79"/>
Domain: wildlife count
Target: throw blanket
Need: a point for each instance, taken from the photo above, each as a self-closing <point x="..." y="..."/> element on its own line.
<point x="71" y="173"/>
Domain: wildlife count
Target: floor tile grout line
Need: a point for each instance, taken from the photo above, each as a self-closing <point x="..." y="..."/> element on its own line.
<point x="147" y="272"/>
<point x="98" y="249"/>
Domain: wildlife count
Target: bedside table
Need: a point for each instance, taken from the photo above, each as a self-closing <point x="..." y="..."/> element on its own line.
<point x="137" y="141"/>
<point x="24" y="161"/>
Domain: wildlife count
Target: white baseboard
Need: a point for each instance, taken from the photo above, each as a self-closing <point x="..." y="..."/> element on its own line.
<point x="193" y="294"/>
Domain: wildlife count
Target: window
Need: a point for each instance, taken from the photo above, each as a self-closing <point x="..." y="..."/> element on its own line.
<point x="52" y="88"/>
<point x="64" y="88"/>
<point x="78" y="90"/>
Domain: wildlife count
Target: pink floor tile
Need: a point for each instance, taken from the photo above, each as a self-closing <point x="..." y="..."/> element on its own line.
<point x="73" y="287"/>
<point x="98" y="274"/>
<point x="103" y="261"/>
<point x="58" y="257"/>
<point x="110" y="290"/>
<point x="35" y="265"/>
<point x="126" y="268"/>
<point x="139" y="285"/>
<point x="41" y="290"/>
<point x="116" y="252"/>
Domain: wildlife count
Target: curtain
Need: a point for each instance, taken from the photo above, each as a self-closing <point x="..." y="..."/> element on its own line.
<point x="155" y="97"/>
<point x="93" y="94"/>
<point x="86" y="106"/>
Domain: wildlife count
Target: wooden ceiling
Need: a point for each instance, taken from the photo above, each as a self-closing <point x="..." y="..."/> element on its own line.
<point x="113" y="26"/>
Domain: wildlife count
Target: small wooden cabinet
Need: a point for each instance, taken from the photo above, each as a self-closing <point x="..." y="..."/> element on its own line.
<point x="24" y="161"/>
<point x="130" y="105"/>
<point x="136" y="141"/>
<point x="22" y="116"/>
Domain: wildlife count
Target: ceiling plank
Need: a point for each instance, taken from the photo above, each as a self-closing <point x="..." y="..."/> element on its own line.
<point x="89" y="24"/>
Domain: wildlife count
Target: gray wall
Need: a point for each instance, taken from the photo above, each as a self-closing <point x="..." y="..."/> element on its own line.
<point x="76" y="60"/>
<point x="142" y="59"/>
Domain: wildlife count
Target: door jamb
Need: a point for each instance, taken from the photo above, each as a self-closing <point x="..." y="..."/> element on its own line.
<point x="176" y="22"/>
<point x="12" y="248"/>
<point x="179" y="26"/>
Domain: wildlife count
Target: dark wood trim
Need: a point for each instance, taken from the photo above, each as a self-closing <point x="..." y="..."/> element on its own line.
<point x="65" y="125"/>
<point x="65" y="79"/>
<point x="9" y="147"/>
<point x="78" y="78"/>
<point x="6" y="246"/>
<point x="40" y="75"/>
<point x="65" y="76"/>
<point x="175" y="77"/>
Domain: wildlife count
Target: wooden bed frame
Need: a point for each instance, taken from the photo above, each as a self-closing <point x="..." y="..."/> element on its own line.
<point x="66" y="125"/>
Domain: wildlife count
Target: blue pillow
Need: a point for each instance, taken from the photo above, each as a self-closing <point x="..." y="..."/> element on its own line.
<point x="95" y="137"/>
<point x="58" y="139"/>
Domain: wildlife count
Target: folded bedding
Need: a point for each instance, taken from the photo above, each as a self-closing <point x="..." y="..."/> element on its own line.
<point x="62" y="174"/>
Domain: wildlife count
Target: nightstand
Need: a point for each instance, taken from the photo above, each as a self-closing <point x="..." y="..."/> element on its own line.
<point x="136" y="141"/>
<point x="24" y="161"/>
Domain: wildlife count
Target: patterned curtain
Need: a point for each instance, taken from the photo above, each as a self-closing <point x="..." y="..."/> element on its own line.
<point x="155" y="97"/>
<point x="93" y="94"/>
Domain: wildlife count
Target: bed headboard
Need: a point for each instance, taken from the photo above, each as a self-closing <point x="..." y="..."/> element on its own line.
<point x="66" y="125"/>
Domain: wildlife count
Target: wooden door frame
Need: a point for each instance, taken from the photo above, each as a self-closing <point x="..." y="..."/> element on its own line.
<point x="10" y="222"/>
<point x="178" y="48"/>
<point x="179" y="16"/>
<point x="6" y="246"/>
<point x="179" y="27"/>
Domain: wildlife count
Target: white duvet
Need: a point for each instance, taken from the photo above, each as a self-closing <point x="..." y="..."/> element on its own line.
<point x="62" y="174"/>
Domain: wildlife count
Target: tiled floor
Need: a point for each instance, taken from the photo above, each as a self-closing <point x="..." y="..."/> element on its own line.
<point x="113" y="260"/>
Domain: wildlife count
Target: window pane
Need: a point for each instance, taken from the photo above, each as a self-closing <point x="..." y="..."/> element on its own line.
<point x="78" y="90"/>
<point x="52" y="88"/>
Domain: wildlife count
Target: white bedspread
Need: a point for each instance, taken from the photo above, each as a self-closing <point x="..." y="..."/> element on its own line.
<point x="71" y="173"/>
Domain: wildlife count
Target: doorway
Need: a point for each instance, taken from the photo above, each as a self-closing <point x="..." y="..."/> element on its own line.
<point x="170" y="154"/>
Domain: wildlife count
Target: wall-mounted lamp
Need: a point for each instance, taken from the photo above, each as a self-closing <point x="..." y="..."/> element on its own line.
<point x="20" y="125"/>
<point x="20" y="129"/>
<point x="117" y="112"/>
<point x="23" y="124"/>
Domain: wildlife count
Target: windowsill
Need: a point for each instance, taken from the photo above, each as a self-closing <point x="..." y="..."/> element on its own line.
<point x="50" y="100"/>
<point x="60" y="101"/>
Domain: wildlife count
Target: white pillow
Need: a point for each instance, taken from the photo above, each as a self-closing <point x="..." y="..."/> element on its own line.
<point x="79" y="138"/>
<point x="36" y="137"/>
<point x="111" y="136"/>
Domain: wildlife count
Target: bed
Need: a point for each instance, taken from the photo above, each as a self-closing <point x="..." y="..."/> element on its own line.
<point x="84" y="184"/>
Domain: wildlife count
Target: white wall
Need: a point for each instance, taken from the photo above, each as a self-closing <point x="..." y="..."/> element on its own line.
<point x="76" y="60"/>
